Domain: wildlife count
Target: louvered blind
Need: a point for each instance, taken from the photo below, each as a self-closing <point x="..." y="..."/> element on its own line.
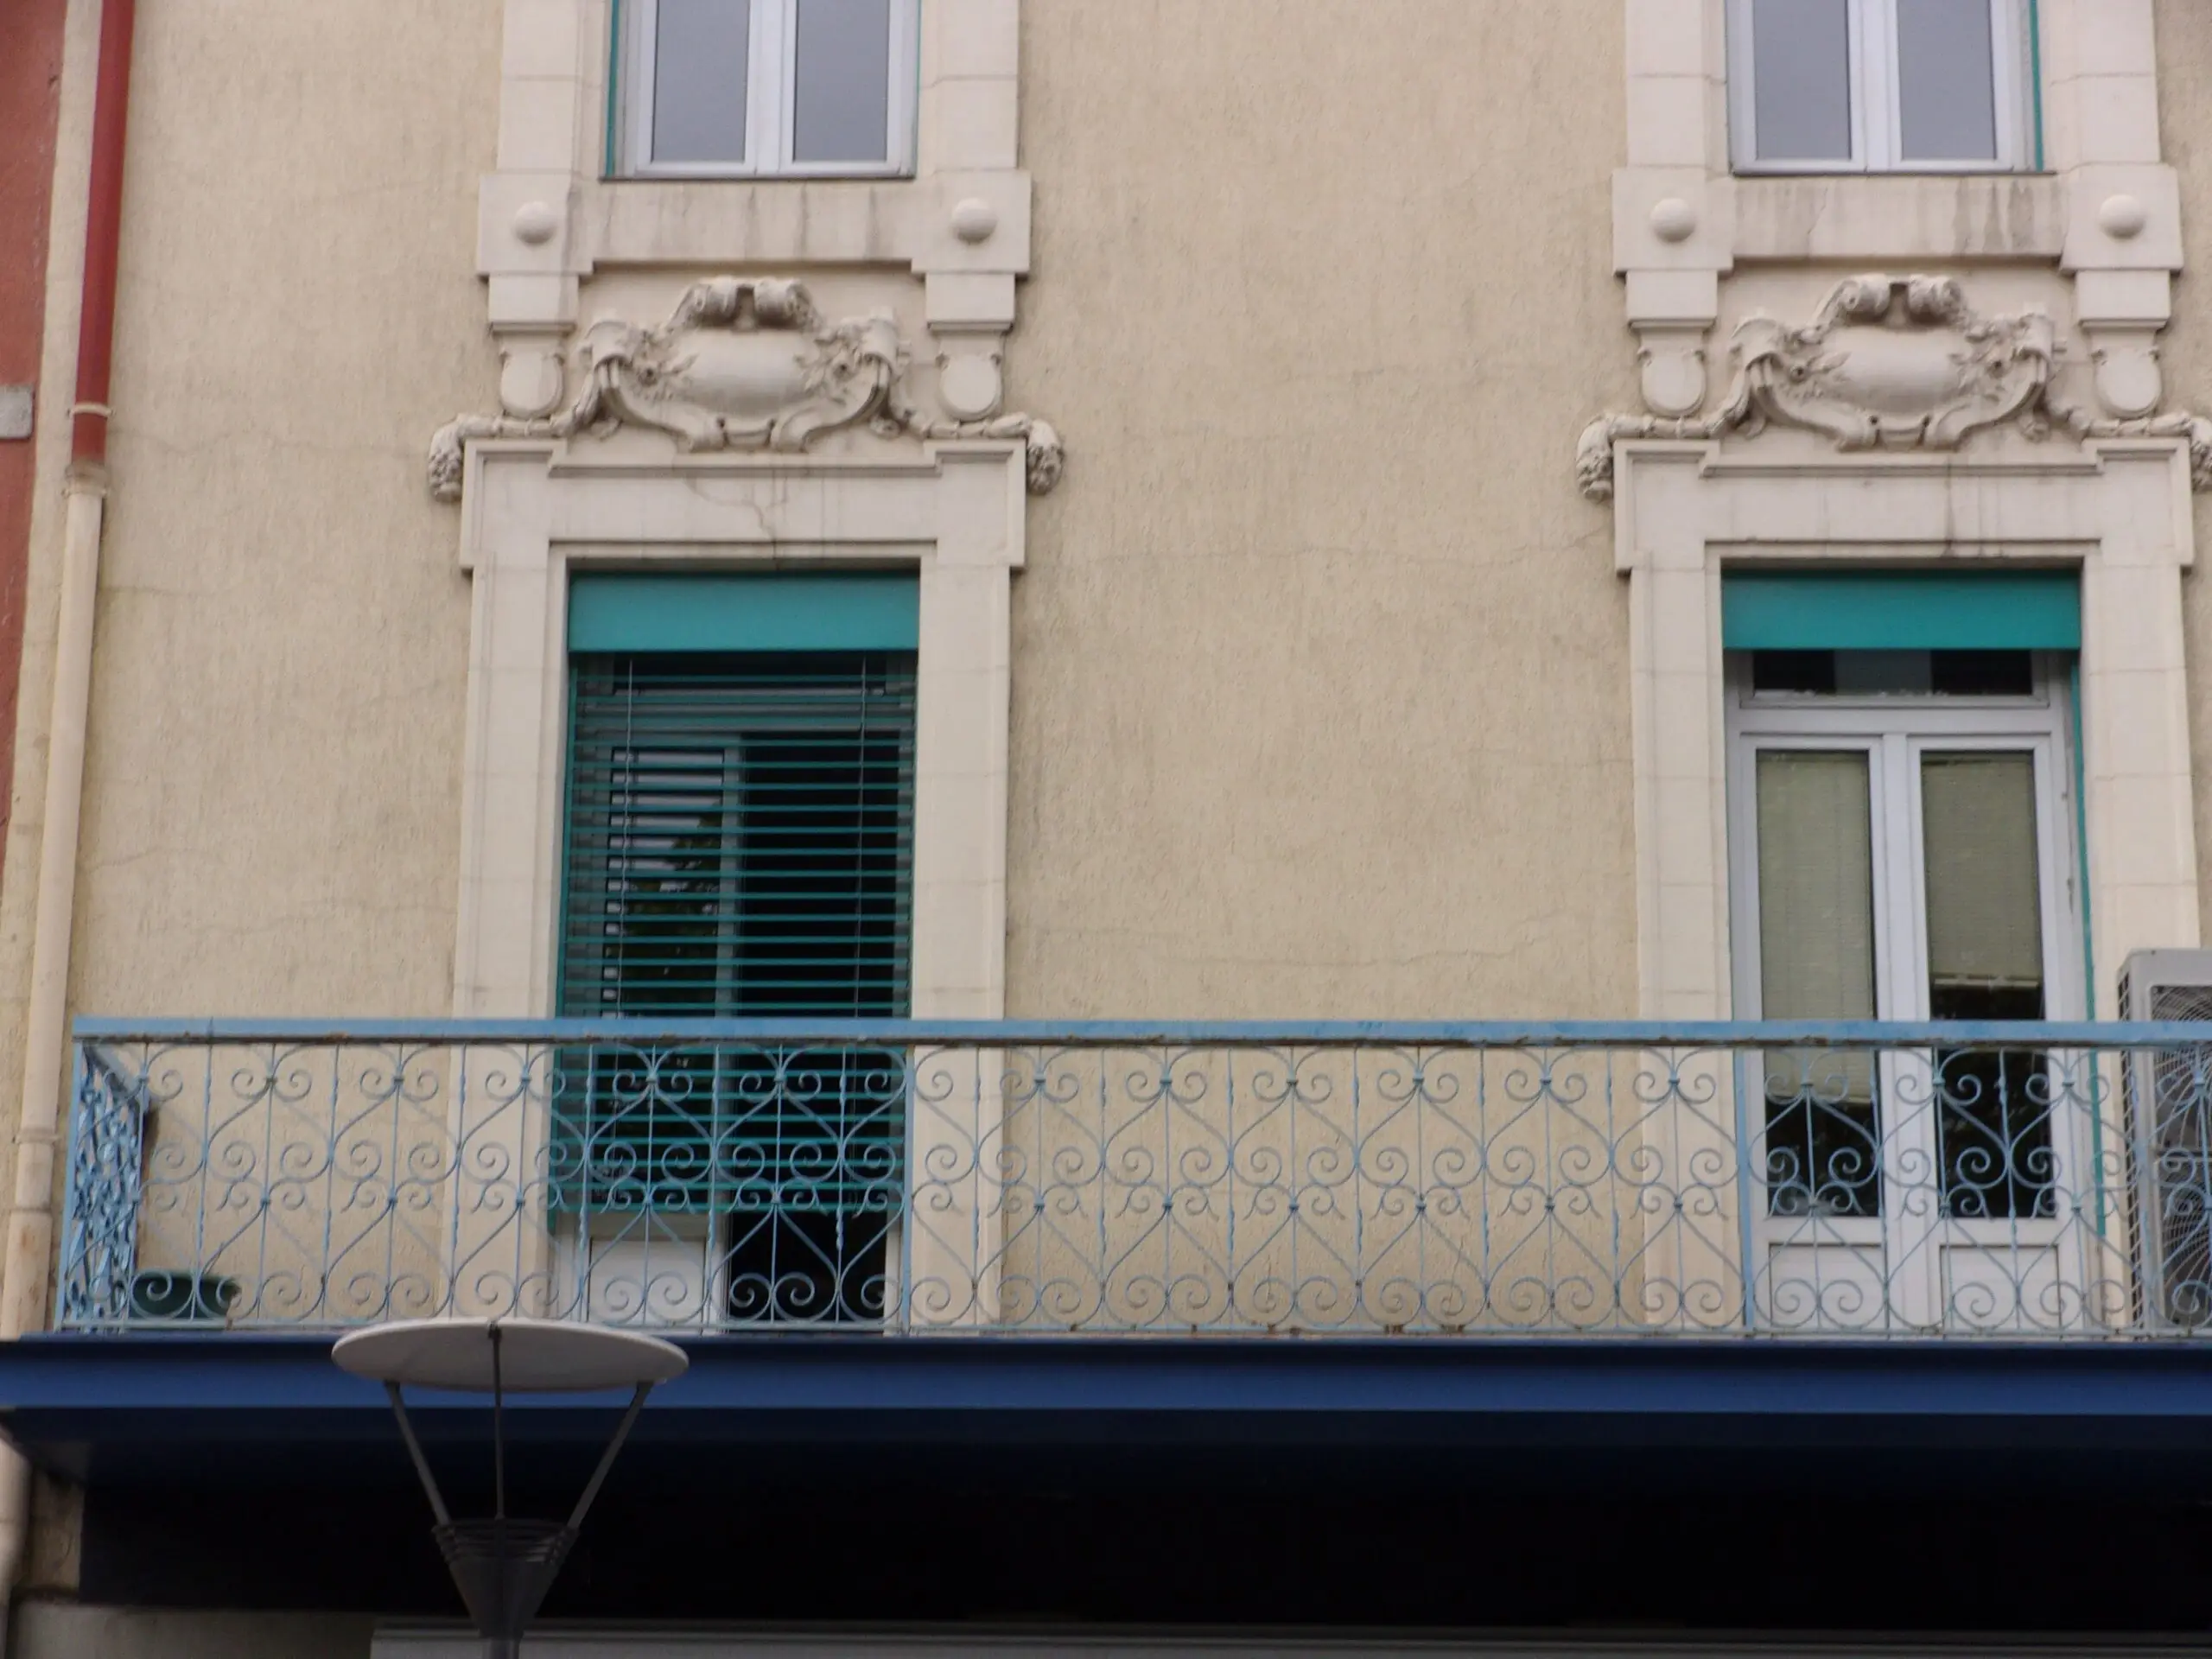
<point x="739" y="844"/>
<point x="740" y="836"/>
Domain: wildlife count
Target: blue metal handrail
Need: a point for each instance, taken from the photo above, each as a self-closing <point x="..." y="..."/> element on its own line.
<point x="1455" y="1179"/>
<point x="1488" y="1033"/>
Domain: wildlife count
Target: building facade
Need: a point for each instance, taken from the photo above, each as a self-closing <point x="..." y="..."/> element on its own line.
<point x="1289" y="642"/>
<point x="31" y="98"/>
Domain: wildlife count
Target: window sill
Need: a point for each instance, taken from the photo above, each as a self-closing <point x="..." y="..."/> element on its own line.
<point x="1897" y="216"/>
<point x="1912" y="170"/>
<point x="899" y="174"/>
<point x="841" y="221"/>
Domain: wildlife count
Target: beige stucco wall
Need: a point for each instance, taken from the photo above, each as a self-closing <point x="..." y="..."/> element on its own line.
<point x="2185" y="132"/>
<point x="1320" y="675"/>
<point x="1321" y="702"/>
<point x="271" y="804"/>
<point x="1320" y="664"/>
<point x="1320" y="687"/>
<point x="272" y="811"/>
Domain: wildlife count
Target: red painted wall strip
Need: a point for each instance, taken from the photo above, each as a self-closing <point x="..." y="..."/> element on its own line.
<point x="103" y="232"/>
<point x="30" y="99"/>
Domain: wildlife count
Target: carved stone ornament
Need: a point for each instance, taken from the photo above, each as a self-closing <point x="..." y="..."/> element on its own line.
<point x="1891" y="363"/>
<point x="748" y="363"/>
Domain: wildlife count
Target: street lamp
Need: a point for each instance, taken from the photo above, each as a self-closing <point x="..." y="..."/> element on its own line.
<point x="503" y="1565"/>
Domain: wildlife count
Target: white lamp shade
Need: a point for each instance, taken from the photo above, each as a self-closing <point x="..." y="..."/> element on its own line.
<point x="536" y="1355"/>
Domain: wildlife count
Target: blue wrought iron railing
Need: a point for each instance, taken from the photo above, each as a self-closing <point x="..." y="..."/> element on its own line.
<point x="2038" y="1181"/>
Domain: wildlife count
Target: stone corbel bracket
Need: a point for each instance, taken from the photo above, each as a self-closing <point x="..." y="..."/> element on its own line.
<point x="1891" y="363"/>
<point x="743" y="364"/>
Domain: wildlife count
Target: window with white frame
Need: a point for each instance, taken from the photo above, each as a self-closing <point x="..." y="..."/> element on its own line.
<point x="780" y="88"/>
<point x="1902" y="847"/>
<point x="1880" y="85"/>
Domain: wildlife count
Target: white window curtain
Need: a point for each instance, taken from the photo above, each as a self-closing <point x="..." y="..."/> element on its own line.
<point x="1985" y="912"/>
<point x="1816" y="911"/>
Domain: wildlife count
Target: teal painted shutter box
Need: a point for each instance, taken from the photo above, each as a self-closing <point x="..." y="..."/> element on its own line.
<point x="800" y="611"/>
<point x="740" y="844"/>
<point x="1887" y="610"/>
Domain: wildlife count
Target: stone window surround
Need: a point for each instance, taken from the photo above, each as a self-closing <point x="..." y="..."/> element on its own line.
<point x="533" y="514"/>
<point x="548" y="218"/>
<point x="532" y="510"/>
<point x="2119" y="511"/>
<point x="2108" y="212"/>
<point x="2108" y="215"/>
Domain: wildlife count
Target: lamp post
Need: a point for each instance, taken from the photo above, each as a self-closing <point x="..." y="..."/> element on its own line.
<point x="504" y="1565"/>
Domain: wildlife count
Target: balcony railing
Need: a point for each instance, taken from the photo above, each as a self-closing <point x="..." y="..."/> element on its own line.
<point x="2037" y="1181"/>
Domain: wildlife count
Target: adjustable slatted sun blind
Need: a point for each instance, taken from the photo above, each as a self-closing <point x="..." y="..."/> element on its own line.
<point x="740" y="836"/>
<point x="739" y="844"/>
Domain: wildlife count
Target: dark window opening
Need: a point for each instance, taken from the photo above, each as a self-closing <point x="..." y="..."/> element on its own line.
<point x="1895" y="673"/>
<point x="1993" y="1111"/>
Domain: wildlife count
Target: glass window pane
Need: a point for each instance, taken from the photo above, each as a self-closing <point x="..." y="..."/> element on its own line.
<point x="1798" y="672"/>
<point x="1800" y="79"/>
<point x="841" y="87"/>
<point x="1985" y="907"/>
<point x="1947" y="80"/>
<point x="1817" y="961"/>
<point x="1882" y="673"/>
<point x="1985" y="961"/>
<point x="1816" y="886"/>
<point x="700" y="54"/>
<point x="1982" y="673"/>
<point x="1878" y="673"/>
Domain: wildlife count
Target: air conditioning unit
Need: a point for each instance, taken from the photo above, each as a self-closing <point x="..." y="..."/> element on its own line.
<point x="2170" y="1139"/>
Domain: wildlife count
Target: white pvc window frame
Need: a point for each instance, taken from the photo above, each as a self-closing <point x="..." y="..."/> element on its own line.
<point x="770" y="101"/>
<point x="1913" y="1264"/>
<point x="1895" y="731"/>
<point x="1877" y="110"/>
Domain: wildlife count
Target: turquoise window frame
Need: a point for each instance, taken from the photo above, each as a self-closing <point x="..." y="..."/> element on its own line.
<point x="611" y="159"/>
<point x="868" y="610"/>
<point x="2036" y="80"/>
<point x="2036" y="83"/>
<point x="1901" y="610"/>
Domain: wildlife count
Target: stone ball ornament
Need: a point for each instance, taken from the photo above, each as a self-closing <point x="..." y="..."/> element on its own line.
<point x="975" y="219"/>
<point x="535" y="222"/>
<point x="2123" y="217"/>
<point x="1673" y="219"/>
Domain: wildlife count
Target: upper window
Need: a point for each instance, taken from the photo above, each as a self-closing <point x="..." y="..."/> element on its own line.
<point x="1879" y="86"/>
<point x="791" y="88"/>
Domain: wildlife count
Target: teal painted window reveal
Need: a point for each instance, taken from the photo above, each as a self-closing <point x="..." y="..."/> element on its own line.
<point x="798" y="612"/>
<point x="2035" y="80"/>
<point x="1885" y="610"/>
<point x="613" y="85"/>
